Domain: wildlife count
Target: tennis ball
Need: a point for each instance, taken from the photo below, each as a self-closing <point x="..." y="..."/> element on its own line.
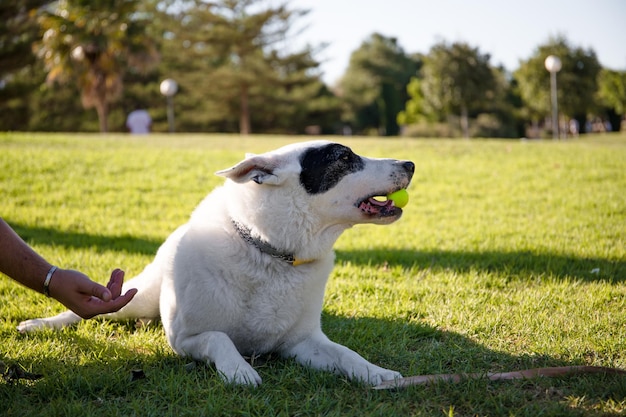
<point x="400" y="198"/>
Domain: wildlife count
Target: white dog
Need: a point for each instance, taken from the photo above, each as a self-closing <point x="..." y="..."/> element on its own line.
<point x="246" y="275"/>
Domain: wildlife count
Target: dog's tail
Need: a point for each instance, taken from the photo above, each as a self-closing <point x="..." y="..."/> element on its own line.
<point x="141" y="306"/>
<point x="145" y="304"/>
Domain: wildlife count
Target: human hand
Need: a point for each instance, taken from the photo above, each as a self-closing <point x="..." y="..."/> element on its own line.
<point x="87" y="298"/>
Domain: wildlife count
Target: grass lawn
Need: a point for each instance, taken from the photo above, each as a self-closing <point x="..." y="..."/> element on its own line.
<point x="510" y="255"/>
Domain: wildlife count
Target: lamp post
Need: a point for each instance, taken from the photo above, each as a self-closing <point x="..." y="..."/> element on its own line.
<point x="168" y="88"/>
<point x="553" y="65"/>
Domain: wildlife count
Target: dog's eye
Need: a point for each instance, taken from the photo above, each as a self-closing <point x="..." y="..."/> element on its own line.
<point x="345" y="155"/>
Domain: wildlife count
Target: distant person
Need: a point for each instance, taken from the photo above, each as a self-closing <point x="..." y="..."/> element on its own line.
<point x="573" y="127"/>
<point x="71" y="288"/>
<point x="139" y="122"/>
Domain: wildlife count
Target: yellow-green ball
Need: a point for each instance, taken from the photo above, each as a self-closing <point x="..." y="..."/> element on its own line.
<point x="400" y="198"/>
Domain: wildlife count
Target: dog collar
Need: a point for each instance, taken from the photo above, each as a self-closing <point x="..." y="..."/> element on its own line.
<point x="245" y="233"/>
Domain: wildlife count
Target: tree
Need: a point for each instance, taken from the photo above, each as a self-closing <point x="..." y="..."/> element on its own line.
<point x="374" y="85"/>
<point x="612" y="89"/>
<point x="92" y="42"/>
<point x="297" y="100"/>
<point x="18" y="30"/>
<point x="415" y="107"/>
<point x="455" y="79"/>
<point x="19" y="73"/>
<point x="247" y="69"/>
<point x="576" y="81"/>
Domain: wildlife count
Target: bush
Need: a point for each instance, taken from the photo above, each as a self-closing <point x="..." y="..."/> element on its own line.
<point x="485" y="125"/>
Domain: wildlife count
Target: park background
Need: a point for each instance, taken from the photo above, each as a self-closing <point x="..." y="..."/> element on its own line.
<point x="248" y="66"/>
<point x="510" y="254"/>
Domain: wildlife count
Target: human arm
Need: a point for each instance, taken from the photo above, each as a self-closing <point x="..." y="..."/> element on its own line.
<point x="71" y="288"/>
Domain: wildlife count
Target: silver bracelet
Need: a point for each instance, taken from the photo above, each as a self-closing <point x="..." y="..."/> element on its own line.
<point x="46" y="283"/>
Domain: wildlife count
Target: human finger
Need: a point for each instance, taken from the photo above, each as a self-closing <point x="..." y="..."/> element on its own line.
<point x="116" y="303"/>
<point x="115" y="283"/>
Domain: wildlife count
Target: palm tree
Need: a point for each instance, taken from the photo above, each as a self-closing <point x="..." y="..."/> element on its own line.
<point x="92" y="42"/>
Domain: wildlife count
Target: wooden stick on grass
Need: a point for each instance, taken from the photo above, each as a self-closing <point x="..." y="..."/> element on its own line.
<point x="498" y="376"/>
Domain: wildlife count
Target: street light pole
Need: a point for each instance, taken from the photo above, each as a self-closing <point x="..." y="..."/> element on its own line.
<point x="170" y="113"/>
<point x="168" y="88"/>
<point x="553" y="65"/>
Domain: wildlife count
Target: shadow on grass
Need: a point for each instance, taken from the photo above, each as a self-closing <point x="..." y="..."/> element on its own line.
<point x="523" y="265"/>
<point x="102" y="378"/>
<point x="49" y="236"/>
<point x="420" y="349"/>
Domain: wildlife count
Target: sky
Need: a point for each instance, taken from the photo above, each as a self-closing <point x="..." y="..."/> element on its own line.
<point x="508" y="30"/>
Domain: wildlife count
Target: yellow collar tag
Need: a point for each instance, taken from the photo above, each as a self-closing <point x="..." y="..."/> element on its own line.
<point x="297" y="262"/>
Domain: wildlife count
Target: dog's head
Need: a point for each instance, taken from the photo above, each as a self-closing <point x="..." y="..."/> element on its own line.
<point x="320" y="181"/>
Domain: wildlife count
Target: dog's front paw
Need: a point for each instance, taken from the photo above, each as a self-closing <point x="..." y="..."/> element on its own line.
<point x="374" y="375"/>
<point x="239" y="374"/>
<point x="386" y="375"/>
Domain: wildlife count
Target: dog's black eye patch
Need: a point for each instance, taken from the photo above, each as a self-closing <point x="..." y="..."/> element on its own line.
<point x="324" y="167"/>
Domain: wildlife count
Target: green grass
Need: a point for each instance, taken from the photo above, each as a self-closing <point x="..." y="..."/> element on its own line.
<point x="510" y="255"/>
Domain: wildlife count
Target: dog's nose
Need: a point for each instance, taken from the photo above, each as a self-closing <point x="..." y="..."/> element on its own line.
<point x="408" y="166"/>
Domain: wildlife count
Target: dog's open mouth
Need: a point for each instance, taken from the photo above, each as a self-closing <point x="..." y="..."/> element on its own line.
<point x="379" y="206"/>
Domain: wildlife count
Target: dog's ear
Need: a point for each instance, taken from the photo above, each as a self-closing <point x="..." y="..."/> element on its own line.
<point x="256" y="168"/>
